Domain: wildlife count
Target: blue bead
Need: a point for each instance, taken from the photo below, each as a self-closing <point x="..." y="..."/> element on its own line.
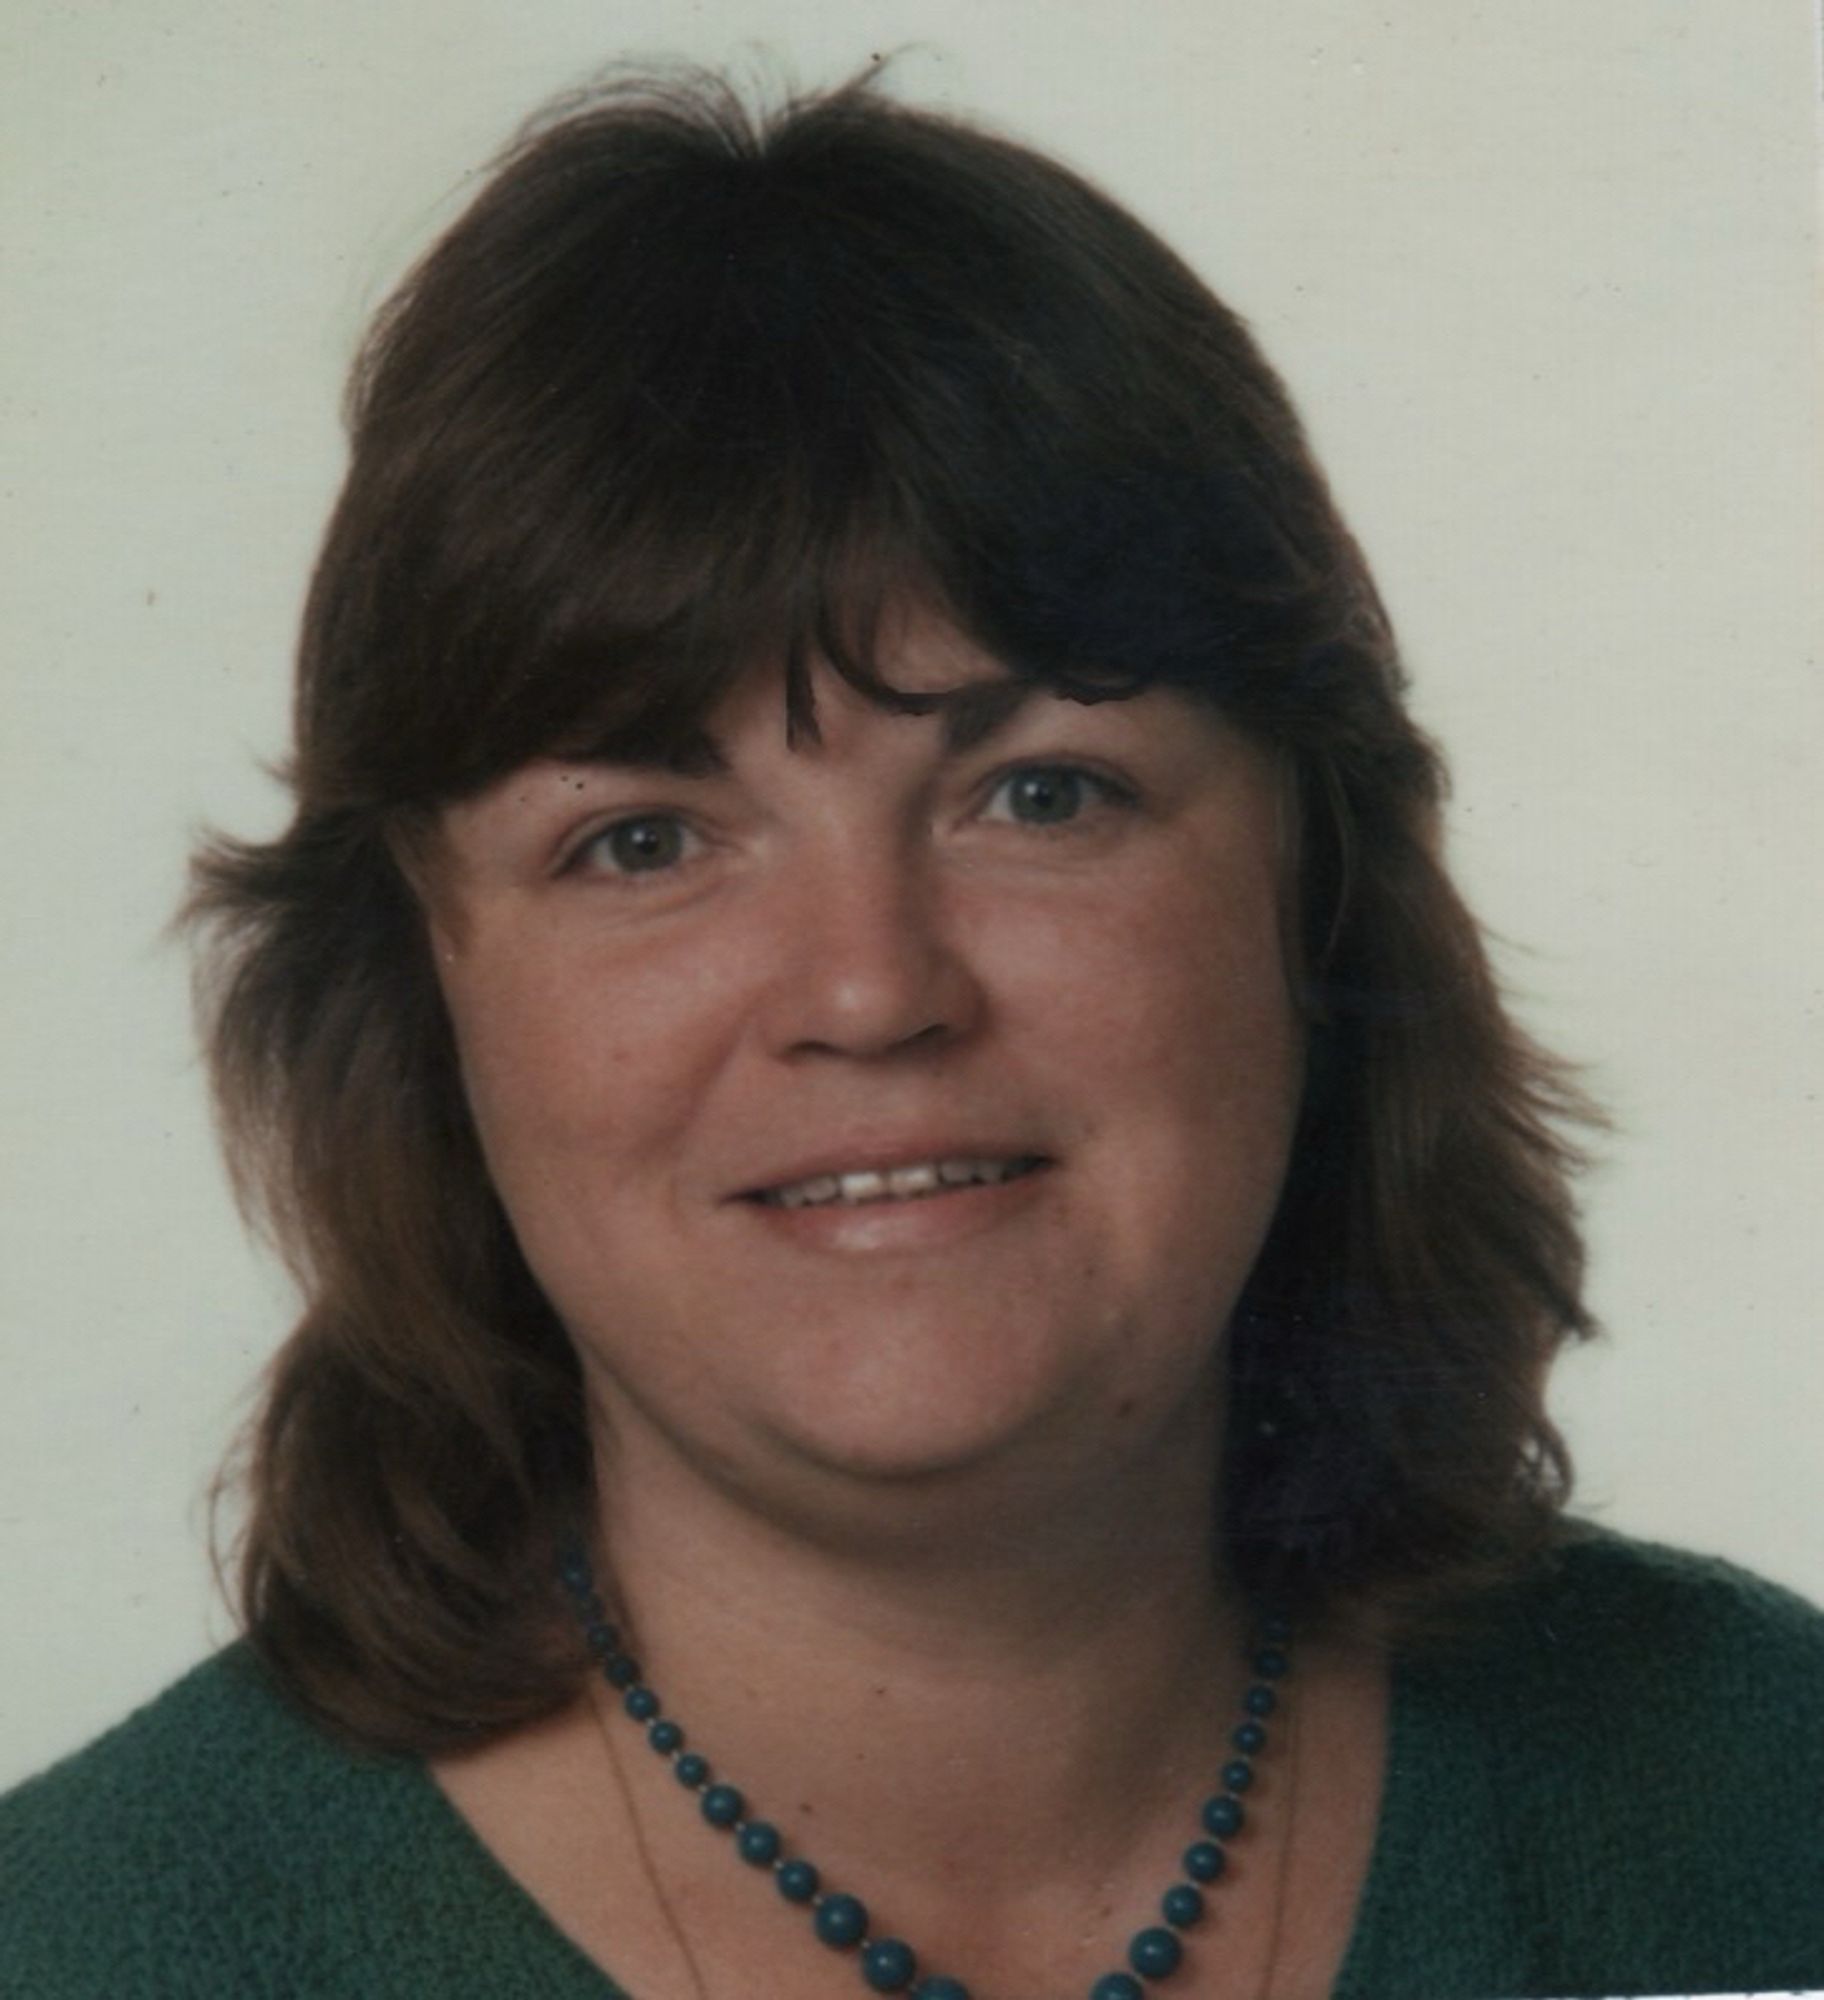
<point x="1260" y="1701"/>
<point x="1204" y="1861"/>
<point x="1239" y="1775"/>
<point x="1276" y="1631"/>
<point x="622" y="1670"/>
<point x="1117" y="1986"/>
<point x="1182" y="1904"/>
<point x="601" y="1639"/>
<point x="573" y="1567"/>
<point x="1270" y="1663"/>
<point x="1154" y="1953"/>
<point x="797" y="1881"/>
<point x="939" y="1988"/>
<point x="758" y="1843"/>
<point x="888" y="1965"/>
<point x="690" y="1769"/>
<point x="1223" y="1816"/>
<point x="665" y="1737"/>
<point x="722" y="1805"/>
<point x="641" y="1703"/>
<point x="841" y="1921"/>
<point x="1251" y="1738"/>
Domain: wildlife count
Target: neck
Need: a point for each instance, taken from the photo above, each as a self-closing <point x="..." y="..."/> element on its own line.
<point x="1025" y="1676"/>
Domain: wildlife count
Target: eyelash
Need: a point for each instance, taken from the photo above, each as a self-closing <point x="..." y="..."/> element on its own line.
<point x="578" y="861"/>
<point x="1103" y="791"/>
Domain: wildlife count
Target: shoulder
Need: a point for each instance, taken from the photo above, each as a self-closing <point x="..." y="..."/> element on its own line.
<point x="1661" y="1628"/>
<point x="180" y="1851"/>
<point x="1622" y="1660"/>
<point x="1624" y="1752"/>
<point x="193" y="1760"/>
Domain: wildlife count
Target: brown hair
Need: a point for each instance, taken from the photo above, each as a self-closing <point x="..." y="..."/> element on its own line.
<point x="683" y="385"/>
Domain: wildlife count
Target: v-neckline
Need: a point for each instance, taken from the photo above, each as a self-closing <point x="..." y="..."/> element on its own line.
<point x="1398" y="1829"/>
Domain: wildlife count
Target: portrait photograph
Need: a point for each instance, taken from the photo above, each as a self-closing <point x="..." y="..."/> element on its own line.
<point x="913" y="983"/>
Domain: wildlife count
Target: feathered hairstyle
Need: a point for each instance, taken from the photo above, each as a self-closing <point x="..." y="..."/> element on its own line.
<point x="687" y="384"/>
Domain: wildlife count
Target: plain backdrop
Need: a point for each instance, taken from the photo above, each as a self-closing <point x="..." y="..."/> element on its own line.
<point x="1544" y="278"/>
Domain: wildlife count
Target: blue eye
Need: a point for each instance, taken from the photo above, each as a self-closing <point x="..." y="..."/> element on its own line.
<point x="645" y="845"/>
<point x="1053" y="794"/>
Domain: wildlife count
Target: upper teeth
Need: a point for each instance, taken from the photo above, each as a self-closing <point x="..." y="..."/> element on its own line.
<point x="894" y="1183"/>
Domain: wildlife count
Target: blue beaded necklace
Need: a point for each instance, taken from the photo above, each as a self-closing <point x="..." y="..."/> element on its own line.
<point x="839" y="1920"/>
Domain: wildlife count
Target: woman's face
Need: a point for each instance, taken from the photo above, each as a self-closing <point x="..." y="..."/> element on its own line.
<point x="871" y="1107"/>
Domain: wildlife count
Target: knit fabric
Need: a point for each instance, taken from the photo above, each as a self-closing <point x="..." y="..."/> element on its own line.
<point x="1612" y="1784"/>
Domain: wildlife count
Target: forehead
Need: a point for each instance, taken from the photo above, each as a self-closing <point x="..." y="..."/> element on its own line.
<point x="920" y="652"/>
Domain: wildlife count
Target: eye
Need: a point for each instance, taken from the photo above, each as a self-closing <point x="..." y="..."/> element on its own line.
<point x="646" y="844"/>
<point x="1052" y="794"/>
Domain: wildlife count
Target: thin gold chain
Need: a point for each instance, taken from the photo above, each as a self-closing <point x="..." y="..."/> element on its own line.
<point x="699" y="1986"/>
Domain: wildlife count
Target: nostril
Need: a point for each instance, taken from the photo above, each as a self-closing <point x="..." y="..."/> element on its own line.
<point x="869" y="963"/>
<point x="932" y="1031"/>
<point x="925" y="1040"/>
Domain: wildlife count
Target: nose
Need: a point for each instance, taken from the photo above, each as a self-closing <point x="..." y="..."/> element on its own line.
<point x="869" y="960"/>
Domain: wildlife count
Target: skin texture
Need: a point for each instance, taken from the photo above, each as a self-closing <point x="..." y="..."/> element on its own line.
<point x="907" y="1507"/>
<point x="869" y="950"/>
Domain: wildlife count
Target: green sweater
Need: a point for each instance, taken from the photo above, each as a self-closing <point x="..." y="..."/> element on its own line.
<point x="1616" y="1786"/>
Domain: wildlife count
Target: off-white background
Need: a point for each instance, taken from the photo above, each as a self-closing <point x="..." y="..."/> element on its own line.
<point x="1544" y="278"/>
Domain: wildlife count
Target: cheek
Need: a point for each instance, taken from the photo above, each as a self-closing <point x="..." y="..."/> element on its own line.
<point x="1175" y="1034"/>
<point x="1231" y="1040"/>
<point x="1171" y="993"/>
<point x="550" y="1064"/>
<point x="587" y="1069"/>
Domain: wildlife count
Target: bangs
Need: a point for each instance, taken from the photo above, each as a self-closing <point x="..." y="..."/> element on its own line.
<point x="683" y="397"/>
<point x="619" y="638"/>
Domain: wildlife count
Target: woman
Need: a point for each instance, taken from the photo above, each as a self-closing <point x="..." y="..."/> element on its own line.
<point x="930" y="1258"/>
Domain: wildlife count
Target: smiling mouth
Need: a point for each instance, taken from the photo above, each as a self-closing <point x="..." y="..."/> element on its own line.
<point x="917" y="1182"/>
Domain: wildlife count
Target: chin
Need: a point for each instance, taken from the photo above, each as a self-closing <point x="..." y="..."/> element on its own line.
<point x="985" y="1442"/>
<point x="902" y="1447"/>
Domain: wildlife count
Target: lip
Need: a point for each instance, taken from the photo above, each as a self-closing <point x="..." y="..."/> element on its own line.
<point x="940" y="1221"/>
<point x="878" y="1157"/>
